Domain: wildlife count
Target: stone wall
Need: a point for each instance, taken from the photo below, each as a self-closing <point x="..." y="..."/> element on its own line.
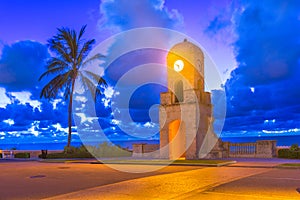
<point x="33" y="153"/>
<point x="259" y="149"/>
<point x="144" y="150"/>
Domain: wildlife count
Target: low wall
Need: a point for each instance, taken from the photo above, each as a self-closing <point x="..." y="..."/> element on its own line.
<point x="145" y="150"/>
<point x="33" y="153"/>
<point x="259" y="149"/>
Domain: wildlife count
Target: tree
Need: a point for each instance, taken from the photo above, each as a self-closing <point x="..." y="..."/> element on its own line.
<point x="71" y="52"/>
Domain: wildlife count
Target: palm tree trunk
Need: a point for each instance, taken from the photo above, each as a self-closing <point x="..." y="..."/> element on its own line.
<point x="70" y="115"/>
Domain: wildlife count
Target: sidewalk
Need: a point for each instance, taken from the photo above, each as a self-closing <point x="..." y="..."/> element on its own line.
<point x="182" y="185"/>
<point x="166" y="186"/>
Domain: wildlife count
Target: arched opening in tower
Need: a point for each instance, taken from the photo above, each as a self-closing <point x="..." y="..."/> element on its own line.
<point x="178" y="91"/>
<point x="177" y="141"/>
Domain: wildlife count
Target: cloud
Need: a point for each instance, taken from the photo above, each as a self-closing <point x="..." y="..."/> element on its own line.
<point x="217" y="24"/>
<point x="9" y="121"/>
<point x="266" y="84"/>
<point x="21" y="64"/>
<point x="4" y="99"/>
<point x="25" y="97"/>
<point x="123" y="15"/>
<point x="267" y="47"/>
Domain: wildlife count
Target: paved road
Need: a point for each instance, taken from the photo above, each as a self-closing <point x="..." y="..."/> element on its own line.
<point x="35" y="180"/>
<point x="275" y="184"/>
<point x="247" y="180"/>
<point x="251" y="180"/>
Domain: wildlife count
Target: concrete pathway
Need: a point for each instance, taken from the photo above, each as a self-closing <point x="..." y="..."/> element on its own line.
<point x="32" y="180"/>
<point x="168" y="186"/>
<point x="247" y="179"/>
<point x="251" y="179"/>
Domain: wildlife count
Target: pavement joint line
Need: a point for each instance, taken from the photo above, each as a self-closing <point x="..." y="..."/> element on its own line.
<point x="110" y="184"/>
<point x="208" y="187"/>
<point x="255" y="166"/>
<point x="251" y="196"/>
<point x="143" y="162"/>
<point x="291" y="179"/>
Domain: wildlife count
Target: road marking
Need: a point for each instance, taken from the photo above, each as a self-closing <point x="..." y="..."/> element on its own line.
<point x="291" y="179"/>
<point x="38" y="176"/>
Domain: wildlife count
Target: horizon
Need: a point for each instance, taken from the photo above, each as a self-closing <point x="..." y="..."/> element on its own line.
<point x="251" y="43"/>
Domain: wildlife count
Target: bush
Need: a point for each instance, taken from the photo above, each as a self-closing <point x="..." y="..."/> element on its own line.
<point x="283" y="153"/>
<point x="293" y="152"/>
<point x="22" y="155"/>
<point x="68" y="155"/>
<point x="0" y="155"/>
<point x="103" y="150"/>
<point x="294" y="147"/>
<point x="69" y="152"/>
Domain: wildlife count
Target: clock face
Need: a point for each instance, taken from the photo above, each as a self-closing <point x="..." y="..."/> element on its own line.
<point x="178" y="65"/>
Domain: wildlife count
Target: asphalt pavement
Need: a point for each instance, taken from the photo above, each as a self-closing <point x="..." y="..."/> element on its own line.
<point x="247" y="179"/>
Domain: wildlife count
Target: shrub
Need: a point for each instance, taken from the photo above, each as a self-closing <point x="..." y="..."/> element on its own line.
<point x="0" y="155"/>
<point x="103" y="150"/>
<point x="68" y="155"/>
<point x="106" y="149"/>
<point x="293" y="152"/>
<point x="283" y="153"/>
<point x="69" y="152"/>
<point x="22" y="155"/>
<point x="294" y="147"/>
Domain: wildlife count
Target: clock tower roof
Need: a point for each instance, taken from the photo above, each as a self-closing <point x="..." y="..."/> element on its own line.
<point x="187" y="50"/>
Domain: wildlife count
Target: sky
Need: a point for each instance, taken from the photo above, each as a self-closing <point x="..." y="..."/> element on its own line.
<point x="254" y="45"/>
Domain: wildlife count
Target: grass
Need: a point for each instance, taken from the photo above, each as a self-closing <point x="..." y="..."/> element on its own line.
<point x="200" y="161"/>
<point x="290" y="165"/>
<point x="212" y="163"/>
<point x="174" y="162"/>
<point x="103" y="150"/>
<point x="22" y="155"/>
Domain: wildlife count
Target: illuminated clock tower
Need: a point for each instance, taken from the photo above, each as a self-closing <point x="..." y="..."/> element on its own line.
<point x="185" y="109"/>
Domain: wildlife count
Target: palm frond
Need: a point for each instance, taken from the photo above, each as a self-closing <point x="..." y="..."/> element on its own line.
<point x="69" y="37"/>
<point x="52" y="71"/>
<point x="98" y="79"/>
<point x="51" y="89"/>
<point x="94" y="57"/>
<point x="92" y="85"/>
<point x="81" y="32"/>
<point x="86" y="48"/>
<point x="56" y="62"/>
<point x="59" y="48"/>
<point x="88" y="85"/>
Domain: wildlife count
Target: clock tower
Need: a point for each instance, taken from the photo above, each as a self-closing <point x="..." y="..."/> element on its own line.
<point x="185" y="109"/>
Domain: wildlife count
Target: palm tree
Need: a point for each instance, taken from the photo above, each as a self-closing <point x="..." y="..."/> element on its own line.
<point x="71" y="52"/>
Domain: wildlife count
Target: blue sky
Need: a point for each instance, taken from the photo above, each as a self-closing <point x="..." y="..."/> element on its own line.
<point x="255" y="46"/>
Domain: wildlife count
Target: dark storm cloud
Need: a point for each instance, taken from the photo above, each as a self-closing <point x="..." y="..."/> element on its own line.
<point x="268" y="43"/>
<point x="21" y="64"/>
<point x="266" y="83"/>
